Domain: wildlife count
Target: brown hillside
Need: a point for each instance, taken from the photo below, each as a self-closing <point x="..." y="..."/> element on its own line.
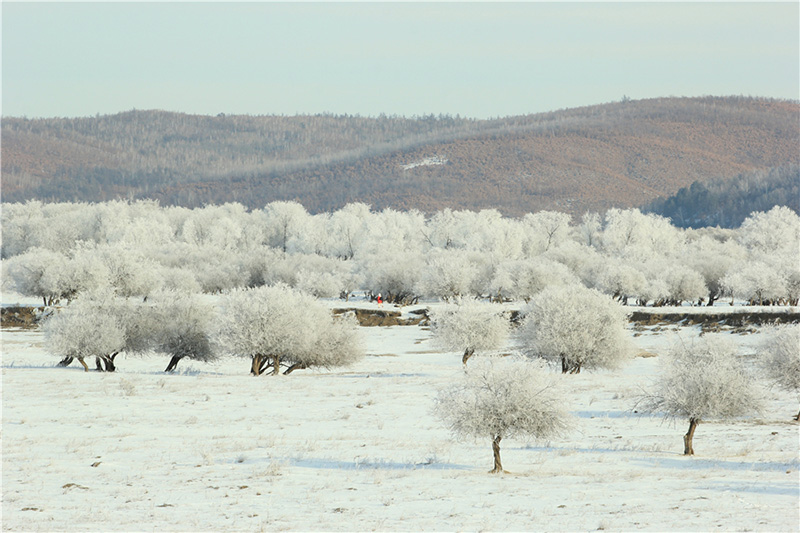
<point x="587" y="159"/>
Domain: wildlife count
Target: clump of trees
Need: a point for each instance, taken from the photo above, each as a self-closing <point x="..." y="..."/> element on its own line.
<point x="700" y="381"/>
<point x="279" y="327"/>
<point x="498" y="399"/>
<point x="58" y="251"/>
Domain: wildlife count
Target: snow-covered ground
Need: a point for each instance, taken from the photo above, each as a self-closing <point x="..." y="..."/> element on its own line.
<point x="211" y="448"/>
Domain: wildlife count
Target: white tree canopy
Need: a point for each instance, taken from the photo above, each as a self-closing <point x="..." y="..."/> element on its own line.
<point x="279" y="325"/>
<point x="576" y="326"/>
<point x="702" y="380"/>
<point x="89" y="327"/>
<point x="502" y="398"/>
<point x="471" y="326"/>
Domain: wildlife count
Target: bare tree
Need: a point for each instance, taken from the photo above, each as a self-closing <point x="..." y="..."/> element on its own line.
<point x="500" y="398"/>
<point x="700" y="381"/>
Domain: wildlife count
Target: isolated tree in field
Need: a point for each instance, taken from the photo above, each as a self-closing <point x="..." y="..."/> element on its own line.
<point x="780" y="357"/>
<point x="577" y="327"/>
<point x="182" y="327"/>
<point x="470" y="326"/>
<point x="501" y="398"/>
<point x="700" y="381"/>
<point x="277" y="325"/>
<point x="87" y="327"/>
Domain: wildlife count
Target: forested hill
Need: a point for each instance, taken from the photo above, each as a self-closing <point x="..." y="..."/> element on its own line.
<point x="619" y="154"/>
<point x="727" y="203"/>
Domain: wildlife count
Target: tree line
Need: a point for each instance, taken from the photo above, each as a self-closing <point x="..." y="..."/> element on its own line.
<point x="57" y="251"/>
<point x="727" y="203"/>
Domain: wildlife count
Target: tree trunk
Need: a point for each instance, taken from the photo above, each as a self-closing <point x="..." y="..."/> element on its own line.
<point x="296" y="366"/>
<point x="173" y="363"/>
<point x="687" y="439"/>
<point x="567" y="367"/>
<point x="109" y="361"/>
<point x="797" y="417"/>
<point x="255" y="366"/>
<point x="467" y="354"/>
<point x="85" y="366"/>
<point x="498" y="466"/>
<point x="276" y="365"/>
<point x="66" y="361"/>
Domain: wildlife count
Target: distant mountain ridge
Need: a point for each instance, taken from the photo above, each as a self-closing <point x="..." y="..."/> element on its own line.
<point x="619" y="154"/>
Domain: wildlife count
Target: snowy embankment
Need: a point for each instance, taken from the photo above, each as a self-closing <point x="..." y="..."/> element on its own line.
<point x="211" y="448"/>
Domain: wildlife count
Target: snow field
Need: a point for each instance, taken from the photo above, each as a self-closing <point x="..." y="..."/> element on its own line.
<point x="211" y="448"/>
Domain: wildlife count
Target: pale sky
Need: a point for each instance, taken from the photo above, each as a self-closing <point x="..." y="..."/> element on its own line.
<point x="474" y="59"/>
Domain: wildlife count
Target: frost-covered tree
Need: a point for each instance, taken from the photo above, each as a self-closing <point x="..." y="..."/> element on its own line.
<point x="277" y="325"/>
<point x="683" y="284"/>
<point x="285" y="222"/>
<point x="182" y="327"/>
<point x="130" y="273"/>
<point x="629" y="234"/>
<point x="348" y="230"/>
<point x="777" y="230"/>
<point x="470" y="326"/>
<point x="620" y="279"/>
<point x="88" y="327"/>
<point x="449" y="274"/>
<point x="699" y="381"/>
<point x="523" y="279"/>
<point x="38" y="272"/>
<point x="779" y="355"/>
<point x="396" y="275"/>
<point x="589" y="229"/>
<point x="501" y="398"/>
<point x="545" y="230"/>
<point x="713" y="259"/>
<point x="576" y="327"/>
<point x="757" y="282"/>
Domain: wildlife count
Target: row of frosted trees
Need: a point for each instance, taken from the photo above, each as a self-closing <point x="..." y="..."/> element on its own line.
<point x="571" y="327"/>
<point x="57" y="251"/>
<point x="274" y="328"/>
